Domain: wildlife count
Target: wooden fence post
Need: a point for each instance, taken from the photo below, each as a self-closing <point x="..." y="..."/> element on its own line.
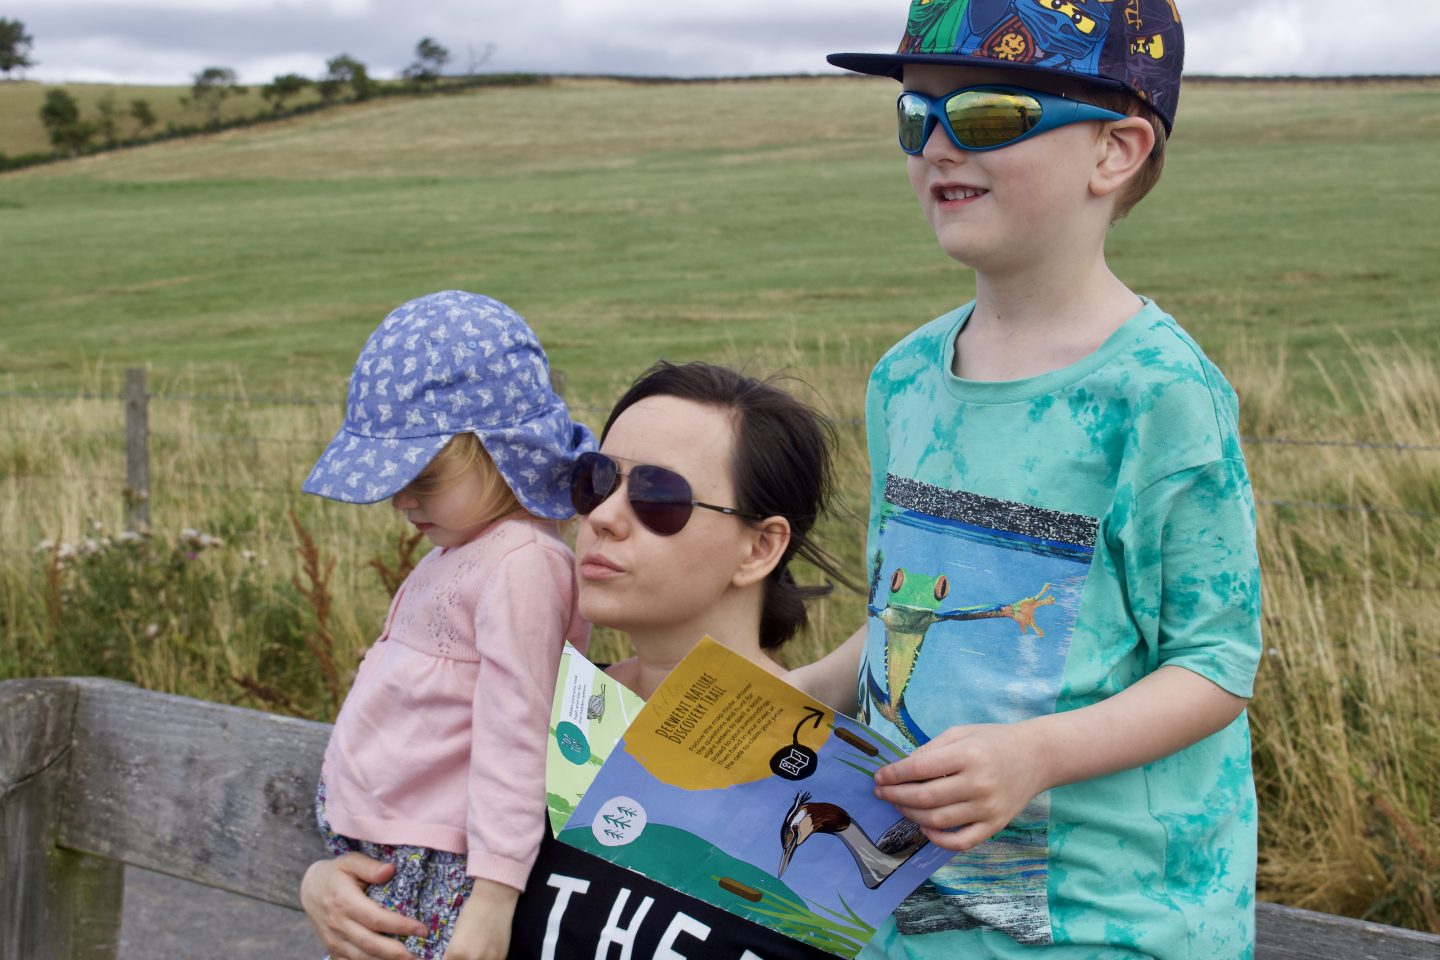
<point x="55" y="903"/>
<point x="137" y="454"/>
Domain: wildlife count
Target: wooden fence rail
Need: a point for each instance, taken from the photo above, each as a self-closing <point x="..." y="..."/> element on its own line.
<point x="96" y="774"/>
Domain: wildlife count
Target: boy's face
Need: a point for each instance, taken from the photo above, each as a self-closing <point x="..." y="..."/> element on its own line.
<point x="1006" y="209"/>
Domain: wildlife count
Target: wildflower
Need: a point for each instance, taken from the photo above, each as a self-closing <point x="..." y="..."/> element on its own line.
<point x="197" y="541"/>
<point x="247" y="555"/>
<point x="129" y="537"/>
<point x="45" y="546"/>
<point x="152" y="630"/>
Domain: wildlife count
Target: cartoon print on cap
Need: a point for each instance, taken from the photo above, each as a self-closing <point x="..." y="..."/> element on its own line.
<point x="1154" y="40"/>
<point x="1057" y="34"/>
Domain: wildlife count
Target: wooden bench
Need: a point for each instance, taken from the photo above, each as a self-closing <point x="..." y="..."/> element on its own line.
<point x="96" y="774"/>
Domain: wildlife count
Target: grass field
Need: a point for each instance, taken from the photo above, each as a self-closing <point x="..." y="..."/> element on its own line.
<point x="632" y="221"/>
<point x="766" y="224"/>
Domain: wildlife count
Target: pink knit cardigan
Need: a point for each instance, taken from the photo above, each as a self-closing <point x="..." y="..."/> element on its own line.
<point x="441" y="741"/>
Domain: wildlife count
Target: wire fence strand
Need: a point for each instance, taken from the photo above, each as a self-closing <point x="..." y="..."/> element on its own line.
<point x="315" y="443"/>
<point x="263" y="400"/>
<point x="1386" y="445"/>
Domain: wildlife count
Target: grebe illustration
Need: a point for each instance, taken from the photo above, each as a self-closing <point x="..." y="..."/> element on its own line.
<point x="877" y="859"/>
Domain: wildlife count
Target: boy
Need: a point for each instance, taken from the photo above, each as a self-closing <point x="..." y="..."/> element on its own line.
<point x="1064" y="603"/>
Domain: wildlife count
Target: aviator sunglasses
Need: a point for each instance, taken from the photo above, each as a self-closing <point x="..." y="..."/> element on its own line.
<point x="988" y="117"/>
<point x="661" y="499"/>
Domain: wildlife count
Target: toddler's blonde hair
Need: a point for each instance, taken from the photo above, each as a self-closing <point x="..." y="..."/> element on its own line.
<point x="461" y="455"/>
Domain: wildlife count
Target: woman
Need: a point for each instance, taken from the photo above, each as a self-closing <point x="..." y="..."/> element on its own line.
<point x="706" y="486"/>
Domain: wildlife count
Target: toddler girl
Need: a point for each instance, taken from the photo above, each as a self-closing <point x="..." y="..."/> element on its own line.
<point x="436" y="763"/>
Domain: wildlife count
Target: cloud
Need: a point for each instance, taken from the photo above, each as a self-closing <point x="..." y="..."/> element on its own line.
<point x="167" y="41"/>
<point x="1326" y="37"/>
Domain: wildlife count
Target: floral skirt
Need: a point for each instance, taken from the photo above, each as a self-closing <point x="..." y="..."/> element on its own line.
<point x="429" y="885"/>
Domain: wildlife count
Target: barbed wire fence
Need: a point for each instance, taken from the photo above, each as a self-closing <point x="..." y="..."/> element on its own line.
<point x="135" y="485"/>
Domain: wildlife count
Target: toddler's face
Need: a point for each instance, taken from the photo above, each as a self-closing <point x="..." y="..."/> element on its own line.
<point x="449" y="516"/>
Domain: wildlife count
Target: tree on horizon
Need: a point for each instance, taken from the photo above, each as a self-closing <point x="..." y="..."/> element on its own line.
<point x="15" y="46"/>
<point x="212" y="86"/>
<point x="282" y="88"/>
<point x="61" y="116"/>
<point x="430" y="60"/>
<point x="343" y="71"/>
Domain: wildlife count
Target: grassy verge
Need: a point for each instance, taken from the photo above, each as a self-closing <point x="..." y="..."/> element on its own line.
<point x="1344" y="715"/>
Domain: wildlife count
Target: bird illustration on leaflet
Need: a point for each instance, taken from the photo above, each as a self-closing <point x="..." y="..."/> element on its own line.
<point x="876" y="859"/>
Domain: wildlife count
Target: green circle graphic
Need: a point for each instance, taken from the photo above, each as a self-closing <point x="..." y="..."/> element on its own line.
<point x="573" y="745"/>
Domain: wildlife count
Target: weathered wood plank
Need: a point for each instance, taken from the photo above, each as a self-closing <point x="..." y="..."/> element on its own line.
<point x="214" y="794"/>
<point x="222" y="796"/>
<point x="54" y="904"/>
<point x="1287" y="933"/>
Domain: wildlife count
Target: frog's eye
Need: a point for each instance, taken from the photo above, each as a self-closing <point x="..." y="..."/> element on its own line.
<point x="942" y="588"/>
<point x="897" y="580"/>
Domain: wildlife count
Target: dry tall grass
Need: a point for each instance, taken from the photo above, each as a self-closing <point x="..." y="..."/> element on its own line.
<point x="1347" y="737"/>
<point x="1347" y="741"/>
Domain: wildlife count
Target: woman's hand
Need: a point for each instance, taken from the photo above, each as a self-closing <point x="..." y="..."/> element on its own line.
<point x="350" y="924"/>
<point x="482" y="931"/>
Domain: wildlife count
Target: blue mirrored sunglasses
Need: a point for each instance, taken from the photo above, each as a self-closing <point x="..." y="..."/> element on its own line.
<point x="988" y="117"/>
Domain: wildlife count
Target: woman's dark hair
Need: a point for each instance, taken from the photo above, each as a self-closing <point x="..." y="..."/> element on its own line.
<point x="781" y="467"/>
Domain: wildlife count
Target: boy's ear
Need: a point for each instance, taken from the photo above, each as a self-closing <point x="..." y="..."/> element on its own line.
<point x="766" y="545"/>
<point x="1127" y="144"/>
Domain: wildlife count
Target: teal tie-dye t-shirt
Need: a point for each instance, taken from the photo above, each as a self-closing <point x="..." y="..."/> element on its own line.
<point x="1039" y="545"/>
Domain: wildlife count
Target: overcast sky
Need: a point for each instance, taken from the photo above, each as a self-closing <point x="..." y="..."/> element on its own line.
<point x="168" y="41"/>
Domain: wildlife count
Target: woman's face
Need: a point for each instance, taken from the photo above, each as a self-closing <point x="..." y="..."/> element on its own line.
<point x="638" y="581"/>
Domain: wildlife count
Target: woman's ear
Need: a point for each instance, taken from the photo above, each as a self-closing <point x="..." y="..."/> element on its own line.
<point x="767" y="543"/>
<point x="1126" y="146"/>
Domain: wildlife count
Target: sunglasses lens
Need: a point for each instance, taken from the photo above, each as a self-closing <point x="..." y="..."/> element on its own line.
<point x="912" y="111"/>
<point x="592" y="481"/>
<point x="991" y="118"/>
<point x="661" y="499"/>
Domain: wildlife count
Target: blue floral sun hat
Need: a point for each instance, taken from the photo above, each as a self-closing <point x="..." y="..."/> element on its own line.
<point x="444" y="364"/>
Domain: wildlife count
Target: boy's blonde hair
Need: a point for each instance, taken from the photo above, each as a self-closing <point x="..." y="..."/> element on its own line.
<point x="461" y="455"/>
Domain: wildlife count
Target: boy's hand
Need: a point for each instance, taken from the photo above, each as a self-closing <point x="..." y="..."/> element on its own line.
<point x="975" y="777"/>
<point x="979" y="777"/>
<point x="482" y="931"/>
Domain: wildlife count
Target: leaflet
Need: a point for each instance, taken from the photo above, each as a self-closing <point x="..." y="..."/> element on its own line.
<point x="588" y="717"/>
<point x="733" y="787"/>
